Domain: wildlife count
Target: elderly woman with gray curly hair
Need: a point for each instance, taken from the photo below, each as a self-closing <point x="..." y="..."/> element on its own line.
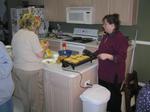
<point x="28" y="70"/>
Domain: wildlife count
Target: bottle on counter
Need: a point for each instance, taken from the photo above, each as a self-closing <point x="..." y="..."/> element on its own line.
<point x="64" y="46"/>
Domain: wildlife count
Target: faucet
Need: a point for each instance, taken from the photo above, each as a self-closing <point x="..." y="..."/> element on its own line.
<point x="59" y="32"/>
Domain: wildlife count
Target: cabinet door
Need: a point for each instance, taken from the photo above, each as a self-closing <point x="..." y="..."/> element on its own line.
<point x="55" y="10"/>
<point x="56" y="92"/>
<point x="101" y="9"/>
<point x="127" y="9"/>
<point x="71" y="3"/>
<point x="61" y="11"/>
<point x="51" y="10"/>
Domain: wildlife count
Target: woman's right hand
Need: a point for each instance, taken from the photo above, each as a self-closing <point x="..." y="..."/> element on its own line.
<point x="105" y="56"/>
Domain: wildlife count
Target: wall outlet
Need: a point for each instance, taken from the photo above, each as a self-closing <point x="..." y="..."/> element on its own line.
<point x="86" y="83"/>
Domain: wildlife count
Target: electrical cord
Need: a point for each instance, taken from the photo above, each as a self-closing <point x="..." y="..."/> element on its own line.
<point x="89" y="85"/>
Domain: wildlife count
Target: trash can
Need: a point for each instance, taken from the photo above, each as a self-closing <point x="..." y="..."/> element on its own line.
<point x="95" y="99"/>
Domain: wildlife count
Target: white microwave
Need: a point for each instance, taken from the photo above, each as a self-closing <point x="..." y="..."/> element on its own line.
<point x="80" y="15"/>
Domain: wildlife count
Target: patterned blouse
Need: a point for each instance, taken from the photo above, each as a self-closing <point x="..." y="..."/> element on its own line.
<point x="143" y="100"/>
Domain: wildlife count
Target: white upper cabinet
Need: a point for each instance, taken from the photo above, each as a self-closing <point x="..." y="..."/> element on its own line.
<point x="55" y="10"/>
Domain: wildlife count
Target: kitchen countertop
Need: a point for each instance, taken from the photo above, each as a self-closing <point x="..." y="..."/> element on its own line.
<point x="94" y="43"/>
<point x="69" y="72"/>
<point x="67" y="35"/>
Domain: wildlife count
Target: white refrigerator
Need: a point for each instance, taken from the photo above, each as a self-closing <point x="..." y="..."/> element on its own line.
<point x="17" y="12"/>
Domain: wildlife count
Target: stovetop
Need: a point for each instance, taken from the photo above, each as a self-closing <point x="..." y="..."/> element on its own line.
<point x="80" y="40"/>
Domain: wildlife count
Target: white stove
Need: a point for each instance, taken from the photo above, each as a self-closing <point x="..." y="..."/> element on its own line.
<point x="80" y="37"/>
<point x="85" y="33"/>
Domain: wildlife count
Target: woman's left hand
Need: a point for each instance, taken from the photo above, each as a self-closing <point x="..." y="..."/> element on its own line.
<point x="104" y="56"/>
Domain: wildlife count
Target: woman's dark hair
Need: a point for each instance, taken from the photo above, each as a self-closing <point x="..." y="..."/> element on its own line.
<point x="113" y="19"/>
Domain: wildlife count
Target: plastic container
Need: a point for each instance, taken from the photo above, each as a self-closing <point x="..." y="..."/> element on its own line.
<point x="65" y="52"/>
<point x="95" y="99"/>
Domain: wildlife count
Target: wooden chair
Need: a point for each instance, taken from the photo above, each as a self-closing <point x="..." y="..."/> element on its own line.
<point x="131" y="89"/>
